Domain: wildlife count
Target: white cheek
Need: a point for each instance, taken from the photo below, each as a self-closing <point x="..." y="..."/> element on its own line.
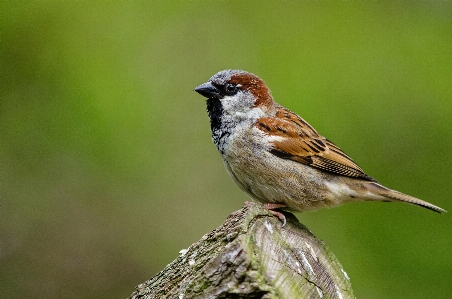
<point x="240" y="102"/>
<point x="240" y="108"/>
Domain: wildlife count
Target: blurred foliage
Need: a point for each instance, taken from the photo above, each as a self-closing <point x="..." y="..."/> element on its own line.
<point x="107" y="168"/>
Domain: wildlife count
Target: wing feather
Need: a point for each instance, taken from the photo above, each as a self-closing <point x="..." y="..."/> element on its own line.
<point x="300" y="142"/>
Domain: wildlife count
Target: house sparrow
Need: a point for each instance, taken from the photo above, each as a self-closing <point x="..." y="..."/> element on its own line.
<point x="276" y="157"/>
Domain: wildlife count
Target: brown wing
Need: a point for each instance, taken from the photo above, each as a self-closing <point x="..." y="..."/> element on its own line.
<point x="300" y="142"/>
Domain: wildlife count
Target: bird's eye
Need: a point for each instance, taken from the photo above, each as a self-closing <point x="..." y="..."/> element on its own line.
<point x="230" y="89"/>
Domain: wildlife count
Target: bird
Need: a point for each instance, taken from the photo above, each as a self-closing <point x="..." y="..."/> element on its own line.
<point x="278" y="158"/>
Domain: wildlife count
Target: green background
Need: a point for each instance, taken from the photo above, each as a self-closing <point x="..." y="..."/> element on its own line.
<point x="108" y="170"/>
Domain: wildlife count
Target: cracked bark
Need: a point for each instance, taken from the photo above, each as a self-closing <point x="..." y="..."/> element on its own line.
<point x="251" y="256"/>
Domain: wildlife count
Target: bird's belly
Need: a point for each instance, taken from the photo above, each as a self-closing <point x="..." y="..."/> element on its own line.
<point x="270" y="179"/>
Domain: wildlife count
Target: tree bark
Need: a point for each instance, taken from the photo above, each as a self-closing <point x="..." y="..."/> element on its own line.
<point x="252" y="256"/>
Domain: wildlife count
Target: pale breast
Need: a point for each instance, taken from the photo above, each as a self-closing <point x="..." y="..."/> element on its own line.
<point x="270" y="179"/>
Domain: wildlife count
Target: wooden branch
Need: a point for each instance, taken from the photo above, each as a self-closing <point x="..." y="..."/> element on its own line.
<point x="251" y="256"/>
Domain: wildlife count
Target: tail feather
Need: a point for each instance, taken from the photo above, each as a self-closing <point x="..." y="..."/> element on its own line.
<point x="399" y="196"/>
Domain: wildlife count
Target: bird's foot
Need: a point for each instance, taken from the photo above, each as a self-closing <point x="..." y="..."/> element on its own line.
<point x="271" y="206"/>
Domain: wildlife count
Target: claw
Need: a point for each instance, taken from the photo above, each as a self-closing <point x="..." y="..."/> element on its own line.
<point x="271" y="206"/>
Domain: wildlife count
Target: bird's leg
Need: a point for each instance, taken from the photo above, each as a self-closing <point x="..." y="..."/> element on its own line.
<point x="271" y="206"/>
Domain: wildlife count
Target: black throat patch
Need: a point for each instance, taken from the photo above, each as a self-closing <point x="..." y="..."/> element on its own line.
<point x="215" y="111"/>
<point x="219" y="131"/>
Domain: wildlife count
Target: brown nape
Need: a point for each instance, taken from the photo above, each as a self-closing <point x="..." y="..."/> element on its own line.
<point x="256" y="86"/>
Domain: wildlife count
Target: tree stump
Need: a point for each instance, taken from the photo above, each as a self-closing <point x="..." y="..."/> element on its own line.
<point x="252" y="256"/>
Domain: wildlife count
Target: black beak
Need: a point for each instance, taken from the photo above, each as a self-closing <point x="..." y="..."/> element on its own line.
<point x="208" y="90"/>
